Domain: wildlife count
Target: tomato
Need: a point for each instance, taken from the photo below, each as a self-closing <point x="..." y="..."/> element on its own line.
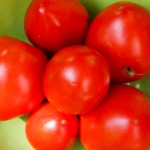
<point x="54" y="24"/>
<point x="76" y="79"/>
<point x="49" y="129"/>
<point x="121" y="33"/>
<point x="120" y="122"/>
<point x="21" y="73"/>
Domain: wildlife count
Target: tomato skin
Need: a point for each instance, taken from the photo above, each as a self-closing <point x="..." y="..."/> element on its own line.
<point x="122" y="34"/>
<point x="54" y="24"/>
<point x="76" y="79"/>
<point x="121" y="121"/>
<point x="21" y="73"/>
<point x="48" y="128"/>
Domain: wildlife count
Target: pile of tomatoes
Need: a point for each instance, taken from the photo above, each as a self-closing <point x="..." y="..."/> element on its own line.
<point x="72" y="79"/>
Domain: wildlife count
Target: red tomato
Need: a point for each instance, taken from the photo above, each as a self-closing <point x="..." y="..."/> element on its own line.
<point x="49" y="129"/>
<point x="76" y="79"/>
<point x="21" y="73"/>
<point x="120" y="122"/>
<point x="122" y="34"/>
<point x="54" y="24"/>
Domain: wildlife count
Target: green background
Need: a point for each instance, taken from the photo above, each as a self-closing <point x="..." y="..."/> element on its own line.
<point x="12" y="132"/>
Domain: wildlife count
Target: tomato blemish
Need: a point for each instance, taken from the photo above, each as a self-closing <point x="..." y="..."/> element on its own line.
<point x="91" y="59"/>
<point x="136" y="121"/>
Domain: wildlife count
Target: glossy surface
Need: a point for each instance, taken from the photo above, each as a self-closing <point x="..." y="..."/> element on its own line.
<point x="21" y="73"/>
<point x="122" y="121"/>
<point x="124" y="43"/>
<point x="54" y="24"/>
<point x="47" y="128"/>
<point x="76" y="79"/>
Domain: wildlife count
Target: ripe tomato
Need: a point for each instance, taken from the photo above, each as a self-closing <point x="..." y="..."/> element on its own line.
<point x="54" y="24"/>
<point x="76" y="79"/>
<point x="49" y="129"/>
<point x="120" y="122"/>
<point x="122" y="34"/>
<point x="21" y="73"/>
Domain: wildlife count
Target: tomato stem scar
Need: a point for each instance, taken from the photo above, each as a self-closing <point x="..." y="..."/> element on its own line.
<point x="121" y="7"/>
<point x="130" y="71"/>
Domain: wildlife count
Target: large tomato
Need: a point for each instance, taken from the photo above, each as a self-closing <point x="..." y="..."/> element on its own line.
<point x="49" y="129"/>
<point x="120" y="122"/>
<point x="54" y="24"/>
<point x="76" y="79"/>
<point x="122" y="34"/>
<point x="21" y="72"/>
